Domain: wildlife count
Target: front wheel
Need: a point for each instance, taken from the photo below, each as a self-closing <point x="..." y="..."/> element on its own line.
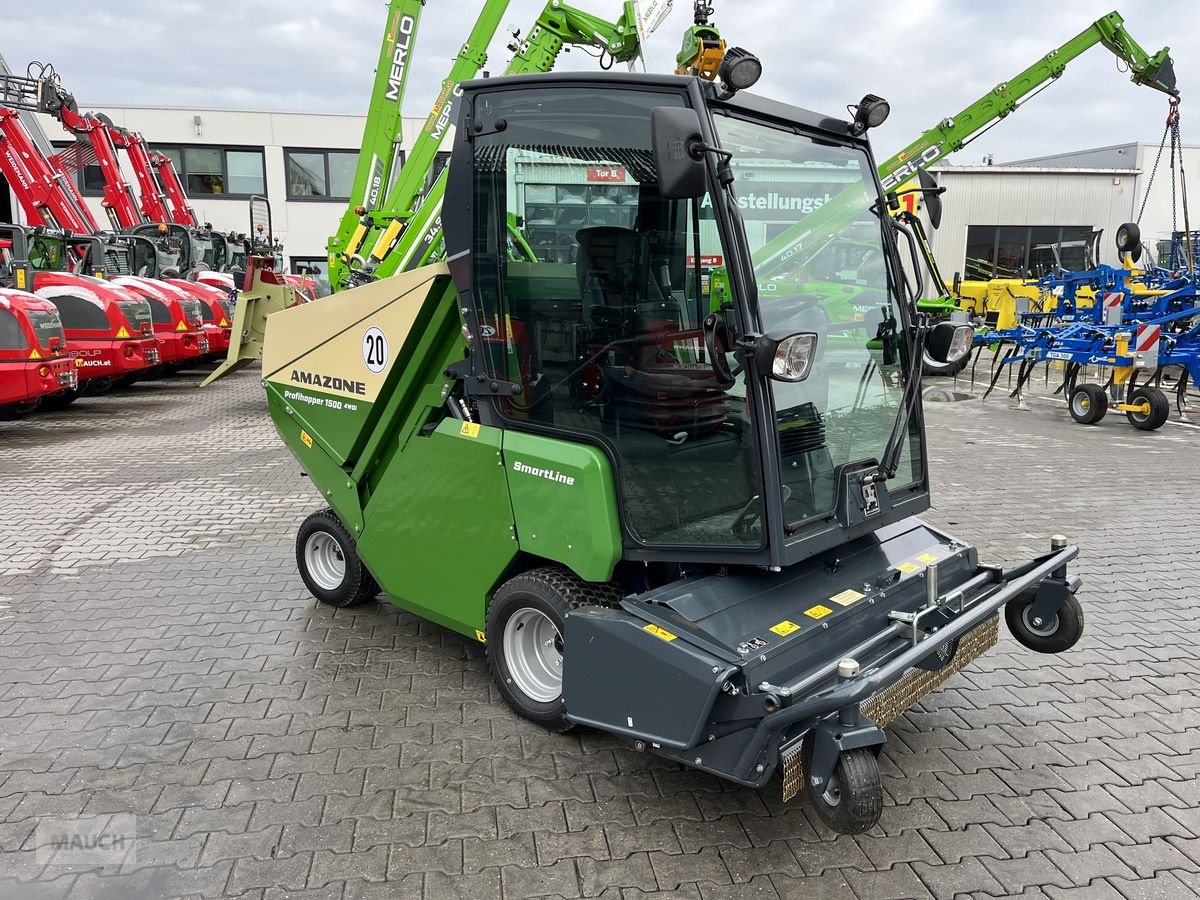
<point x="852" y="799"/>
<point x="930" y="367"/>
<point x="1087" y="404"/>
<point x="327" y="557"/>
<point x="1156" y="404"/>
<point x="526" y="620"/>
<point x="1061" y="631"/>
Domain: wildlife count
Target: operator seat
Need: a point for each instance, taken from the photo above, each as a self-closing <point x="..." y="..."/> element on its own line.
<point x="635" y="332"/>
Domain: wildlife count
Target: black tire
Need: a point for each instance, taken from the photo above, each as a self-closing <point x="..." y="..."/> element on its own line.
<point x="94" y="387"/>
<point x="538" y="600"/>
<point x="934" y="369"/>
<point x="852" y="801"/>
<point x="61" y="400"/>
<point x="327" y="557"/>
<point x="124" y="381"/>
<point x="1061" y="633"/>
<point x="1160" y="409"/>
<point x="20" y="410"/>
<point x="1087" y="404"/>
<point x="1129" y="237"/>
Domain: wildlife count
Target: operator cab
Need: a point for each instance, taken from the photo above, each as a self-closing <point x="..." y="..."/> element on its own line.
<point x="627" y="325"/>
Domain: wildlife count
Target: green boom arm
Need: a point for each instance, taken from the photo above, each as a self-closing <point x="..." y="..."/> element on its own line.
<point x="953" y="133"/>
<point x="416" y="239"/>
<point x="382" y="132"/>
<point x="361" y="228"/>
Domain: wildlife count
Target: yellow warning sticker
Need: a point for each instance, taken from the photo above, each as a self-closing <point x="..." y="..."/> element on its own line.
<point x="224" y="322"/>
<point x="122" y="332"/>
<point x="784" y="628"/>
<point x="846" y="597"/>
<point x="305" y="438"/>
<point x="659" y="632"/>
<point x="908" y="568"/>
<point x="928" y="558"/>
<point x="35" y="355"/>
<point x="479" y="636"/>
<point x="181" y="327"/>
<point x="818" y="612"/>
<point x="469" y="429"/>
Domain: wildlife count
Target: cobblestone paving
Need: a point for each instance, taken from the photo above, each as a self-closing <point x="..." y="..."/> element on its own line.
<point x="160" y="658"/>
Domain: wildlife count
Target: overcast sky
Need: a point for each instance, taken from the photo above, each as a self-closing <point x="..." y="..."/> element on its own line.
<point x="929" y="58"/>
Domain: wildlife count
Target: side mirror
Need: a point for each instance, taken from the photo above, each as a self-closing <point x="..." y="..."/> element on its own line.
<point x="678" y="147"/>
<point x="786" y="357"/>
<point x="933" y="197"/>
<point x="948" y="342"/>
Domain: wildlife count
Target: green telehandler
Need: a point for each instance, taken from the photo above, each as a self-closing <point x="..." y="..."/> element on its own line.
<point x="694" y="529"/>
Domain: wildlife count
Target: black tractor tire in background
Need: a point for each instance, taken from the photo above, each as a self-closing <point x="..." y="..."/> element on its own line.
<point x="1160" y="408"/>
<point x="934" y="369"/>
<point x="852" y="800"/>
<point x="1129" y="238"/>
<point x="94" y="387"/>
<point x="18" y="410"/>
<point x="327" y="557"/>
<point x="535" y="604"/>
<point x="1087" y="404"/>
<point x="61" y="400"/>
<point x="1060" y="633"/>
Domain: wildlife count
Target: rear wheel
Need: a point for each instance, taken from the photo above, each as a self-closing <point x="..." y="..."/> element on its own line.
<point x="61" y="400"/>
<point x="1088" y="403"/>
<point x="327" y="557"/>
<point x="1159" y="409"/>
<point x="852" y="799"/>
<point x="526" y="621"/>
<point x="1059" y="632"/>
<point x="94" y="387"/>
<point x="18" y="410"/>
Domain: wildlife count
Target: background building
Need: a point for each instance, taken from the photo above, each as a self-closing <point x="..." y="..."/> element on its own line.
<point x="999" y="218"/>
<point x="302" y="162"/>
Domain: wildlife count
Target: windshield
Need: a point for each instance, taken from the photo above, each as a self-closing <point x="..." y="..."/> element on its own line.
<point x="137" y="312"/>
<point x="191" y="311"/>
<point x="821" y="267"/>
<point x="46" y="325"/>
<point x="597" y="319"/>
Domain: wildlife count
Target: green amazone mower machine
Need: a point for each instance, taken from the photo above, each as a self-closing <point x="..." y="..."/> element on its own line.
<point x="688" y="522"/>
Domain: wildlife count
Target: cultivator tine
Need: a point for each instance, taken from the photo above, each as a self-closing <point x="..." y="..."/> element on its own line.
<point x="1181" y="394"/>
<point x="975" y="362"/>
<point x="998" y="370"/>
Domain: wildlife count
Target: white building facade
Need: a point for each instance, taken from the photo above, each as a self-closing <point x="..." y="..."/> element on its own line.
<point x="302" y="162"/>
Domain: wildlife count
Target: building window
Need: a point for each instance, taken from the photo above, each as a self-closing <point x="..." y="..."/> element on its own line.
<point x="209" y="171"/>
<point x="316" y="268"/>
<point x="1028" y="251"/>
<point x="89" y="179"/>
<point x="320" y="174"/>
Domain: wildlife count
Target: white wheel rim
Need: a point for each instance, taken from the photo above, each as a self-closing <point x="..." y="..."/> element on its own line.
<point x="324" y="560"/>
<point x="533" y="651"/>
<point x="1082" y="403"/>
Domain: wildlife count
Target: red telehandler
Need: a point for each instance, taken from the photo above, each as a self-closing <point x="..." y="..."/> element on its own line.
<point x="33" y="353"/>
<point x="109" y="331"/>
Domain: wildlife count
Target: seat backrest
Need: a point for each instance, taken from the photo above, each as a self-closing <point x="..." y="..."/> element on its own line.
<point x="612" y="266"/>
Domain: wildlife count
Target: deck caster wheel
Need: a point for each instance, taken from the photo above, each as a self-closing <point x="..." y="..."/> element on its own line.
<point x="852" y="800"/>
<point x="1159" y="409"/>
<point x="1054" y="635"/>
<point x="327" y="557"/>
<point x="526" y="620"/>
<point x="1088" y="403"/>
